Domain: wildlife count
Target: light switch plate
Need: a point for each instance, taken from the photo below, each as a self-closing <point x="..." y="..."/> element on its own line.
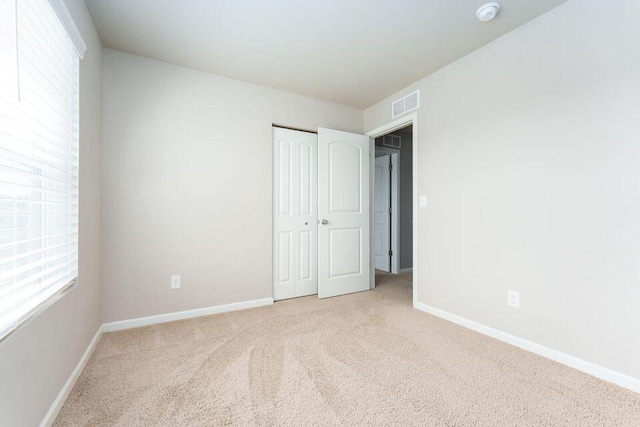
<point x="423" y="201"/>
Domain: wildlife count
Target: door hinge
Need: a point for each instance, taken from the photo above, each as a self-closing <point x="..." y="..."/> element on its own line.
<point x="390" y="253"/>
<point x="390" y="167"/>
<point x="389" y="210"/>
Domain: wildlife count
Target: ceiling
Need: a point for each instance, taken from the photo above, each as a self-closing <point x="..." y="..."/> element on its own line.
<point x="350" y="52"/>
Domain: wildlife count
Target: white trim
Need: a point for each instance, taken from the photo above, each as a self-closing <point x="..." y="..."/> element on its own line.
<point x="395" y="213"/>
<point x="275" y="169"/>
<point x="409" y="119"/>
<point x="72" y="31"/>
<point x="372" y="197"/>
<point x="24" y="320"/>
<point x="400" y="123"/>
<point x="187" y="314"/>
<point x="590" y="368"/>
<point x="405" y="270"/>
<point x="57" y="404"/>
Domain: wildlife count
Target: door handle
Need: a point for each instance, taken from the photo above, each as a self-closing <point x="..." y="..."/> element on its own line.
<point x="325" y="222"/>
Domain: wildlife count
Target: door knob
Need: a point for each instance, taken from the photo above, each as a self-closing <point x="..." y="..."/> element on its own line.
<point x="325" y="222"/>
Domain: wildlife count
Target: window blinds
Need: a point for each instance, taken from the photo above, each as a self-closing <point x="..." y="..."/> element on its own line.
<point x="39" y="77"/>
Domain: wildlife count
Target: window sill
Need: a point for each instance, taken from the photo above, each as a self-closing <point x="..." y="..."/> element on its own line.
<point x="34" y="312"/>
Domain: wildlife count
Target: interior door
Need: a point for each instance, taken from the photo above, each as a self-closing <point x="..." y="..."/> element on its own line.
<point x="382" y="213"/>
<point x="295" y="213"/>
<point x="343" y="212"/>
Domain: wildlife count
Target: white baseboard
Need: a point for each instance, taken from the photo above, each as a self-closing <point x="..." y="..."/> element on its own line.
<point x="57" y="404"/>
<point x="180" y="315"/>
<point x="606" y="374"/>
<point x="405" y="270"/>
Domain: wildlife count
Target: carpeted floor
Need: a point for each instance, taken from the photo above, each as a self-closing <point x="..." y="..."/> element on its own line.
<point x="362" y="359"/>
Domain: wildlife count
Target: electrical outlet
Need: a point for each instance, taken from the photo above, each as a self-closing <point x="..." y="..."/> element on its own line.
<point x="175" y="281"/>
<point x="513" y="299"/>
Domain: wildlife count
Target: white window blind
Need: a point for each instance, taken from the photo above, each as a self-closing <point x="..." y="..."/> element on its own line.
<point x="39" y="73"/>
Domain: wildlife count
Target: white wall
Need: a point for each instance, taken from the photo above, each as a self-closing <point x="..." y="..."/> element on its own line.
<point x="529" y="154"/>
<point x="187" y="190"/>
<point x="38" y="359"/>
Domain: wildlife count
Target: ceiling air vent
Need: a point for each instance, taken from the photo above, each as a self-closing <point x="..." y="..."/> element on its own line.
<point x="406" y="104"/>
<point x="392" y="141"/>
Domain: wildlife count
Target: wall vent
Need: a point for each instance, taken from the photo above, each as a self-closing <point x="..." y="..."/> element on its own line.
<point x="392" y="141"/>
<point x="406" y="104"/>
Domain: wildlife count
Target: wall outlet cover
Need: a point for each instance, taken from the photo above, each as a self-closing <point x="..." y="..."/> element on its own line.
<point x="513" y="299"/>
<point x="175" y="281"/>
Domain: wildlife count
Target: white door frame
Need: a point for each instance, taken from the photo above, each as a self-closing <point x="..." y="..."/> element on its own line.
<point x="395" y="205"/>
<point x="409" y="119"/>
<point x="395" y="212"/>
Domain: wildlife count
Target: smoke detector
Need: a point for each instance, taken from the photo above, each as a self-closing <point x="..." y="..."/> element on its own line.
<point x="488" y="11"/>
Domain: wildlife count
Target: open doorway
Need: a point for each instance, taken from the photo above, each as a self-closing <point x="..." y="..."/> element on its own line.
<point x="393" y="202"/>
<point x="385" y="209"/>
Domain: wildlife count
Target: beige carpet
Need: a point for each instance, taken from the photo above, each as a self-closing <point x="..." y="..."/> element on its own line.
<point x="362" y="359"/>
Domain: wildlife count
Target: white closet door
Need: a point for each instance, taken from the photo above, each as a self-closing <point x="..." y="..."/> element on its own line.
<point x="382" y="213"/>
<point x="343" y="207"/>
<point x="295" y="213"/>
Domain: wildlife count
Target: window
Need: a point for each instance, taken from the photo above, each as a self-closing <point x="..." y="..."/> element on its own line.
<point x="39" y="79"/>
